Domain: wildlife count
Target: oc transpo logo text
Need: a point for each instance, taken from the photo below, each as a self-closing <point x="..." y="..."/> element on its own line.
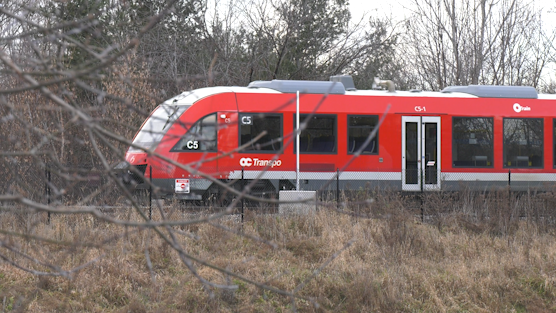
<point x="518" y="108"/>
<point x="247" y="162"/>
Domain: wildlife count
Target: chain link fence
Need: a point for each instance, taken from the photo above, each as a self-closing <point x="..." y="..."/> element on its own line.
<point x="428" y="195"/>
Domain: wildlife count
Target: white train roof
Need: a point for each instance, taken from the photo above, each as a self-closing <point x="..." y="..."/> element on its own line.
<point x="190" y="97"/>
<point x="279" y="87"/>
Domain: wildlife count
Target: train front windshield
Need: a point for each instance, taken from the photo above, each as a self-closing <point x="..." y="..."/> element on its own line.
<point x="156" y="126"/>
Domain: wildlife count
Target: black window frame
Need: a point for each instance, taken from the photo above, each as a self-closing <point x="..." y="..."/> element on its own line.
<point x="554" y="143"/>
<point x="240" y="115"/>
<point x="175" y="147"/>
<point x="302" y="118"/>
<point x="453" y="142"/>
<point x="376" y="148"/>
<point x="504" y="161"/>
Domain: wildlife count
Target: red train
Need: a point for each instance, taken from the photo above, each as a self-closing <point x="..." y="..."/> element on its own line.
<point x="427" y="140"/>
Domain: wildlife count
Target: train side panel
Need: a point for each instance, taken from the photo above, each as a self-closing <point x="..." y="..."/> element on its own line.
<point x="237" y="116"/>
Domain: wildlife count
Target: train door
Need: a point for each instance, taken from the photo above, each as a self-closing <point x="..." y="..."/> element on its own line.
<point x="227" y="141"/>
<point x="420" y="153"/>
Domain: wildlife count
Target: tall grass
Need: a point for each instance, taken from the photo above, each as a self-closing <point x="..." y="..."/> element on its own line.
<point x="478" y="253"/>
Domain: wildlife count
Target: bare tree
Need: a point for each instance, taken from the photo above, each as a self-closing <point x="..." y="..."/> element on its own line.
<point x="78" y="78"/>
<point x="462" y="42"/>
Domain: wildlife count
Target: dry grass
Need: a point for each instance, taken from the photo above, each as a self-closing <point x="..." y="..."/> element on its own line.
<point x="454" y="264"/>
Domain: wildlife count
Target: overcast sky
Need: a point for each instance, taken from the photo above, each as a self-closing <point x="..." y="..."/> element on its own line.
<point x="397" y="9"/>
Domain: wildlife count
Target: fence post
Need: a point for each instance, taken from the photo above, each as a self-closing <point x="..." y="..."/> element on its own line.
<point x="338" y="188"/>
<point x="509" y="188"/>
<point x="242" y="198"/>
<point x="150" y="192"/>
<point x="422" y="196"/>
<point x="47" y="188"/>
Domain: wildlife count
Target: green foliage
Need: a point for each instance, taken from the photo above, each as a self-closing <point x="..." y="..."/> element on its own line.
<point x="10" y="303"/>
<point x="378" y="57"/>
<point x="312" y="28"/>
<point x="85" y="25"/>
<point x="190" y="48"/>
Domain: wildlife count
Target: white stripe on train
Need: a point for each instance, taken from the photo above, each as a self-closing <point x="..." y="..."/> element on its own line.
<point x="393" y="176"/>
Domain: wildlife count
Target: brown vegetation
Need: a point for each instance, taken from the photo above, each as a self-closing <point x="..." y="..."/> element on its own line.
<point x="374" y="264"/>
<point x="79" y="77"/>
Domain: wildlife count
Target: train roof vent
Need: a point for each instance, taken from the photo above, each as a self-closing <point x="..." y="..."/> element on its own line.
<point x="346" y="80"/>
<point x="490" y="91"/>
<point x="303" y="86"/>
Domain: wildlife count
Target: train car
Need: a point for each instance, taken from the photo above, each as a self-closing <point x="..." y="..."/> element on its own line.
<point x="482" y="136"/>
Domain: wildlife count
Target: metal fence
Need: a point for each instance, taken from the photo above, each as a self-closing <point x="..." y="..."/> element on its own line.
<point x="67" y="185"/>
<point x="498" y="199"/>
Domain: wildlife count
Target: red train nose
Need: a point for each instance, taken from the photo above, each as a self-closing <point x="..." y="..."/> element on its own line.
<point x="136" y="158"/>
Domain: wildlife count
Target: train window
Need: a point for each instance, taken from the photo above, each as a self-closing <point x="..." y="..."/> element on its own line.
<point x="359" y="128"/>
<point x="319" y="135"/>
<point x="200" y="137"/>
<point x="156" y="126"/>
<point x="252" y="125"/>
<point x="523" y="142"/>
<point x="472" y="141"/>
